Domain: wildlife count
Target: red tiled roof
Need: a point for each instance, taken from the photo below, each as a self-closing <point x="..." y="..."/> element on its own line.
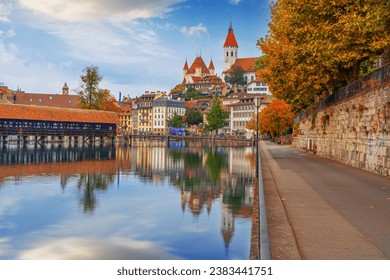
<point x="198" y="63"/>
<point x="190" y="104"/>
<point x="230" y="39"/>
<point x="31" y="112"/>
<point x="125" y="107"/>
<point x="247" y="64"/>
<point x="51" y="100"/>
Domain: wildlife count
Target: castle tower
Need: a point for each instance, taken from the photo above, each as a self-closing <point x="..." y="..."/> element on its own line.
<point x="65" y="89"/>
<point x="211" y="67"/>
<point x="185" y="68"/>
<point x="230" y="49"/>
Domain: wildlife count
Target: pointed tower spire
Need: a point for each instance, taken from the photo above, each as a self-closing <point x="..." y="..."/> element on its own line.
<point x="230" y="38"/>
<point x="185" y="69"/>
<point x="211" y="66"/>
<point x="185" y="65"/>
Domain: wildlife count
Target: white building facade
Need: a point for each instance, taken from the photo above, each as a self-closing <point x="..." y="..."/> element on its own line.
<point x="164" y="109"/>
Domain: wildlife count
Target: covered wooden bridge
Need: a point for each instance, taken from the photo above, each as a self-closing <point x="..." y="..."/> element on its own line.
<point x="41" y="124"/>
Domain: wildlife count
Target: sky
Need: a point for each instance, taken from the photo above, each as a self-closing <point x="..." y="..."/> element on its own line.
<point x="138" y="45"/>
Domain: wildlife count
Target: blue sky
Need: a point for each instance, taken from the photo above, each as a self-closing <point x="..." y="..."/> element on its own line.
<point x="138" y="45"/>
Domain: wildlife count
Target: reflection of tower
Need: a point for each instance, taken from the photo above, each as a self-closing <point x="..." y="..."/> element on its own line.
<point x="195" y="204"/>
<point x="227" y="224"/>
<point x="185" y="197"/>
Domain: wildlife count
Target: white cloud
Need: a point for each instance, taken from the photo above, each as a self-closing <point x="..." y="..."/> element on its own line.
<point x="115" y="35"/>
<point x="17" y="71"/>
<point x="5" y="11"/>
<point x="198" y="30"/>
<point x="7" y="34"/>
<point x="74" y="248"/>
<point x="8" y="53"/>
<point x="234" y="2"/>
<point x="85" y="10"/>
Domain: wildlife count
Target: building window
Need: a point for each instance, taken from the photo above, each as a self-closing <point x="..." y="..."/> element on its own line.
<point x="231" y="53"/>
<point x="40" y="100"/>
<point x="30" y="99"/>
<point x="252" y="78"/>
<point x="227" y="53"/>
<point x="50" y="97"/>
<point x="70" y="101"/>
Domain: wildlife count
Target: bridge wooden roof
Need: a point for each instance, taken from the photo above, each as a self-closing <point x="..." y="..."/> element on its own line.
<point x="30" y="112"/>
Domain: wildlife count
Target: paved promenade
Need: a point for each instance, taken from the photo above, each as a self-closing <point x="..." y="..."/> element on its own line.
<point x="321" y="209"/>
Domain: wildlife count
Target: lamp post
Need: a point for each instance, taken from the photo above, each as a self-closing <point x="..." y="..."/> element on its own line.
<point x="264" y="243"/>
<point x="257" y="105"/>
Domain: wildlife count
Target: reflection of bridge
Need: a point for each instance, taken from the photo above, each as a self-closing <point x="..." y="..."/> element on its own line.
<point x="10" y="155"/>
<point x="224" y="141"/>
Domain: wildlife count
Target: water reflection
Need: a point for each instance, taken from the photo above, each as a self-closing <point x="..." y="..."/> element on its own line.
<point x="213" y="186"/>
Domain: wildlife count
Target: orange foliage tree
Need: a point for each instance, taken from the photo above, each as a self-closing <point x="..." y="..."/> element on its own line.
<point x="274" y="119"/>
<point x="314" y="47"/>
<point x="110" y="103"/>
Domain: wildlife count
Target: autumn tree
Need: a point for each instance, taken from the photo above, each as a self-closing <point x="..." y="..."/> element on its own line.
<point x="273" y="119"/>
<point x="216" y="115"/>
<point x="91" y="96"/>
<point x="314" y="47"/>
<point x="178" y="90"/>
<point x="110" y="103"/>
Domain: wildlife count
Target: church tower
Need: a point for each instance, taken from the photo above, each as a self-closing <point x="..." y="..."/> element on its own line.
<point x="230" y="49"/>
<point x="65" y="89"/>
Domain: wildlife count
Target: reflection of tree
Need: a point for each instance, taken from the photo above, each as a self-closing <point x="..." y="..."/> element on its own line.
<point x="234" y="198"/>
<point x="192" y="160"/>
<point x="89" y="183"/>
<point x="216" y="162"/>
<point x="175" y="154"/>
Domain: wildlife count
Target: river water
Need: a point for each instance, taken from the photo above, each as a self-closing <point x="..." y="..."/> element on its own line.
<point x="112" y="202"/>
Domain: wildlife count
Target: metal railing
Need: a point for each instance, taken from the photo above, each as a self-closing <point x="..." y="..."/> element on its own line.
<point x="376" y="79"/>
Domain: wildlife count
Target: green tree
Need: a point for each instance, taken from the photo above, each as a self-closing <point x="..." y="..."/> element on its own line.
<point x="236" y="78"/>
<point x="314" y="47"/>
<point x="91" y="96"/>
<point x="259" y="63"/>
<point x="192" y="94"/>
<point x="216" y="116"/>
<point x="175" y="121"/>
<point x="193" y="117"/>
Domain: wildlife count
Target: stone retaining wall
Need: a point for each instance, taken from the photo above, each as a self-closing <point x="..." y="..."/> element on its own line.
<point x="354" y="132"/>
